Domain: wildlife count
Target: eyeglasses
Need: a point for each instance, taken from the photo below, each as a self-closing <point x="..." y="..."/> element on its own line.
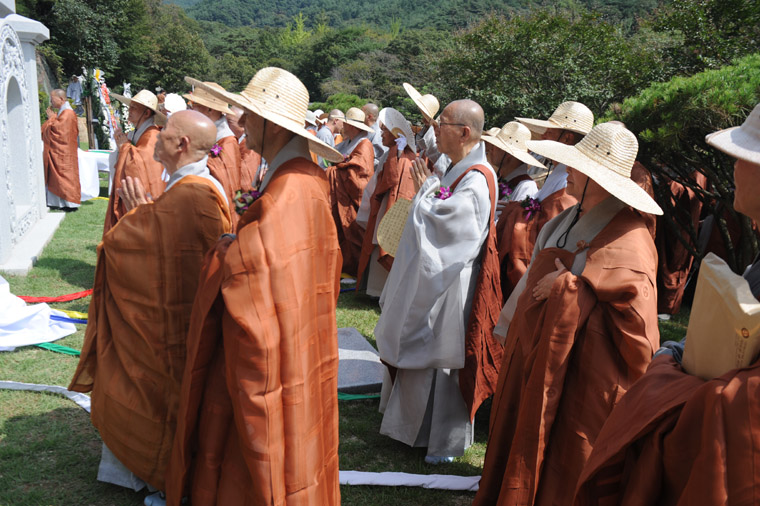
<point x="439" y="124"/>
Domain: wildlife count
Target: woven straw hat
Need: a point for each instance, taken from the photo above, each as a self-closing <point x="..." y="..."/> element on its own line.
<point x="491" y="131"/>
<point x="572" y="116"/>
<point x="392" y="226"/>
<point x="144" y="98"/>
<point x="606" y="155"/>
<point x="355" y="117"/>
<point x="741" y="142"/>
<point x="397" y="124"/>
<point x="427" y="104"/>
<point x="280" y="97"/>
<point x="311" y="118"/>
<point x="511" y="138"/>
<point x="203" y="97"/>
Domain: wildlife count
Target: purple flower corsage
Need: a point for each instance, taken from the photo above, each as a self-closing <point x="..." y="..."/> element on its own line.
<point x="443" y="193"/>
<point x="531" y="206"/>
<point x="243" y="200"/>
<point x="504" y="190"/>
<point x="216" y="150"/>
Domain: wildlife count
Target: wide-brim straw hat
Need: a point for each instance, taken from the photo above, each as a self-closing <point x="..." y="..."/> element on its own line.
<point x="572" y="116"/>
<point x="427" y="104"/>
<point x="742" y="142"/>
<point x="311" y="118"/>
<point x="280" y="97"/>
<point x="144" y="98"/>
<point x="395" y="122"/>
<point x="491" y="131"/>
<point x="512" y="138"/>
<point x="355" y="117"/>
<point x="201" y="96"/>
<point x="606" y="155"/>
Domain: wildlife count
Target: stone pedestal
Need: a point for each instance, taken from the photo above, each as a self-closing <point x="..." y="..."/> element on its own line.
<point x="25" y="225"/>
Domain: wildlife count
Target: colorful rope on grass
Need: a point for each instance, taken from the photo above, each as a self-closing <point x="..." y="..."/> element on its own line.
<point x="60" y="298"/>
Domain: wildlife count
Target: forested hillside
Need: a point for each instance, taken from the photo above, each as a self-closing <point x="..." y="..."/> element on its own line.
<point x="438" y="14"/>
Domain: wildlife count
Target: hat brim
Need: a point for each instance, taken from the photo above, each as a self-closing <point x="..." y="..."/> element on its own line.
<point x="541" y="125"/>
<point x="315" y="145"/>
<point x="208" y="103"/>
<point x="737" y="143"/>
<point x="523" y="156"/>
<point x="624" y="188"/>
<point x="359" y="125"/>
<point x="128" y="101"/>
<point x="417" y="99"/>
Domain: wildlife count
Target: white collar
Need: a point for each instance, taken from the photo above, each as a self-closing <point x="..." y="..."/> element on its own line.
<point x="223" y="128"/>
<point x="296" y="147"/>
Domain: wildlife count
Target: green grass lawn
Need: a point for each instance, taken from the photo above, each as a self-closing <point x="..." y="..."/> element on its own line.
<point x="49" y="451"/>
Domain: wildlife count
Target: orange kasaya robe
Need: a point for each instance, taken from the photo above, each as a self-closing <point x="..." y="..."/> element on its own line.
<point x="347" y="182"/>
<point x="567" y="361"/>
<point x="226" y="168"/>
<point x="675" y="439"/>
<point x="393" y="182"/>
<point x="258" y="419"/>
<point x="60" y="137"/>
<point x="135" y="160"/>
<point x="516" y="234"/>
<point x="675" y="258"/>
<point x="133" y="356"/>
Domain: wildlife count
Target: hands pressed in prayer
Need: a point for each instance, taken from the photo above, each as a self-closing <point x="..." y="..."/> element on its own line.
<point x="420" y="173"/>
<point x="120" y="137"/>
<point x="544" y="287"/>
<point x="133" y="193"/>
<point x="50" y="112"/>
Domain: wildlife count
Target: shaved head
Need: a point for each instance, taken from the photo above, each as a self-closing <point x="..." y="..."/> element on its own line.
<point x="469" y="113"/>
<point x="187" y="138"/>
<point x="370" y="113"/>
<point x="58" y="93"/>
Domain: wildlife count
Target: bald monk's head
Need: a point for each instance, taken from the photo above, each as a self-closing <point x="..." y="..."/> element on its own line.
<point x="370" y="113"/>
<point x="187" y="138"/>
<point x="459" y="128"/>
<point x="57" y="98"/>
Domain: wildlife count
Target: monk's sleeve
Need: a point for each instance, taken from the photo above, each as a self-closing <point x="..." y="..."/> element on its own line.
<point x="359" y="167"/>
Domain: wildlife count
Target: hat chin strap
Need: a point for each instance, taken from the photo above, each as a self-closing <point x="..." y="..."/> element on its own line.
<point x="578" y="211"/>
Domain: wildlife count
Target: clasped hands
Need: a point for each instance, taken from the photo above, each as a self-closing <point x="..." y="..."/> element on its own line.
<point x="132" y="193"/>
<point x="543" y="288"/>
<point x="420" y="173"/>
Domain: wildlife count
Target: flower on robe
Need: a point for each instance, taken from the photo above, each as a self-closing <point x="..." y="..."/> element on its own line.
<point x="243" y="200"/>
<point x="504" y="189"/>
<point x="531" y="206"/>
<point x="216" y="150"/>
<point x="443" y="193"/>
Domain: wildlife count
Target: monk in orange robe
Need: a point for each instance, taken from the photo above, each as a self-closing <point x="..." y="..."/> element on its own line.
<point x="224" y="159"/>
<point x="135" y="154"/>
<point x="146" y="277"/>
<point x="347" y="182"/>
<point x="250" y="161"/>
<point x="60" y="137"/>
<point x="580" y="327"/>
<point x="676" y="438"/>
<point x="259" y="409"/>
<point x="394" y="181"/>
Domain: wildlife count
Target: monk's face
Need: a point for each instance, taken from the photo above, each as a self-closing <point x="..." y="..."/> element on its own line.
<point x="747" y="181"/>
<point x="254" y="131"/>
<point x="350" y="131"/>
<point x="210" y="113"/>
<point x="388" y="139"/>
<point x="137" y="113"/>
<point x="167" y="143"/>
<point x="449" y="134"/>
<point x="56" y="102"/>
<point x="577" y="181"/>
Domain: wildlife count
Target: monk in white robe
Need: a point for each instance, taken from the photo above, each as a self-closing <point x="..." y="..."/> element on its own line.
<point x="428" y="294"/>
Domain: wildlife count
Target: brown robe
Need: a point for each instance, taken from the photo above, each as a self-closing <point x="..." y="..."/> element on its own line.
<point x="60" y="137"/>
<point x="516" y="236"/>
<point x="258" y="419"/>
<point x="394" y="182"/>
<point x="135" y="160"/>
<point x="567" y="361"/>
<point x="347" y="182"/>
<point x="225" y="168"/>
<point x="675" y="260"/>
<point x="133" y="356"/>
<point x="675" y="439"/>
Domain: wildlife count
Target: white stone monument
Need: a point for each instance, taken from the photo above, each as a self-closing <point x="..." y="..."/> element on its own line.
<point x="25" y="224"/>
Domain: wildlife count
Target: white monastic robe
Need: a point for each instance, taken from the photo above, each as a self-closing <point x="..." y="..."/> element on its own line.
<point x="523" y="189"/>
<point x="425" y="306"/>
<point x="428" y="146"/>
